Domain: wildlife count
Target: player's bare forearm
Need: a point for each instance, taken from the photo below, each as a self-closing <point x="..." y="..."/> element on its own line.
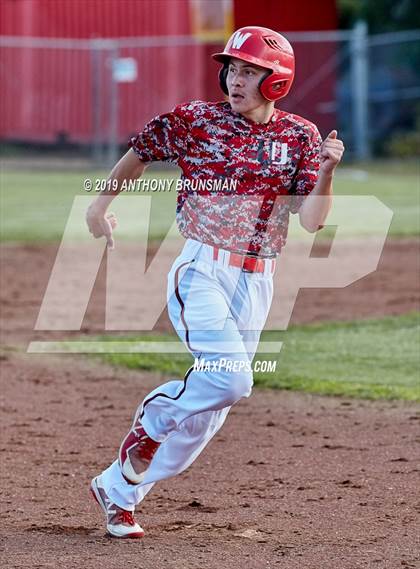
<point x="99" y="222"/>
<point x="314" y="211"/>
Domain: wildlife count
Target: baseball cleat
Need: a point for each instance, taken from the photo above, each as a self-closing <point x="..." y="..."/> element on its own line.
<point x="136" y="453"/>
<point x="119" y="522"/>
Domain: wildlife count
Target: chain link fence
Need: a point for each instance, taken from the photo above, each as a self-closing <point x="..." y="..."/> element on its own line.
<point x="96" y="93"/>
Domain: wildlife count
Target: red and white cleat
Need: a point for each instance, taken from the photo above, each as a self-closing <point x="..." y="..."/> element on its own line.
<point x="119" y="522"/>
<point x="136" y="453"/>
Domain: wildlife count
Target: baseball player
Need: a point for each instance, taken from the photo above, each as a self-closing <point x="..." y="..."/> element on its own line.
<point x="220" y="287"/>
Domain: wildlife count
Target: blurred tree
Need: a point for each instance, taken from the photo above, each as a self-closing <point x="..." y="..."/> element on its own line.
<point x="381" y="15"/>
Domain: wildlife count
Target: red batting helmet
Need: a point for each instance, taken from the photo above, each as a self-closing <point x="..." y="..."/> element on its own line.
<point x="265" y="48"/>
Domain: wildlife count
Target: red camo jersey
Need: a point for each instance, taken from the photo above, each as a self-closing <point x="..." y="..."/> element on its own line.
<point x="241" y="179"/>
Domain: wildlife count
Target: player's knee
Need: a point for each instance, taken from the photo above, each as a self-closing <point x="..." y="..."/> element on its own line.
<point x="238" y="384"/>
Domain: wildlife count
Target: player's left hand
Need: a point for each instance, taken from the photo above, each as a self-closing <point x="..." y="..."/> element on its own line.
<point x="331" y="152"/>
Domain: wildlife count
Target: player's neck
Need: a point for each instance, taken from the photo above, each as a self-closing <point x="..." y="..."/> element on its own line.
<point x="261" y="114"/>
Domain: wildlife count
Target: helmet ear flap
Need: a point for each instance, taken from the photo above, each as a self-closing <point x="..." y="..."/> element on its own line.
<point x="262" y="80"/>
<point x="273" y="87"/>
<point x="222" y="78"/>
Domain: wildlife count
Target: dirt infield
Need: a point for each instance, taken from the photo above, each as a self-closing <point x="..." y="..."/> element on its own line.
<point x="292" y="480"/>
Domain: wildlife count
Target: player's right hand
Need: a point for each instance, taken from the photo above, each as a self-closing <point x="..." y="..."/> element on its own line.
<point x="101" y="224"/>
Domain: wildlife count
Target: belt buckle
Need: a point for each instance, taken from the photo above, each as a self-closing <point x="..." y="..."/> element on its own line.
<point x="250" y="260"/>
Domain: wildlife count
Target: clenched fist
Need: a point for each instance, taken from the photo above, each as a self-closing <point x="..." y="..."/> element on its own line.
<point x="331" y="152"/>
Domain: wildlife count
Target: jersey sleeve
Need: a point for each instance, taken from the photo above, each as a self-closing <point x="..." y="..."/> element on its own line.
<point x="307" y="171"/>
<point x="165" y="138"/>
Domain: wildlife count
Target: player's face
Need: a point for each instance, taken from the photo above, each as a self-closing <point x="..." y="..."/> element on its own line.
<point x="245" y="98"/>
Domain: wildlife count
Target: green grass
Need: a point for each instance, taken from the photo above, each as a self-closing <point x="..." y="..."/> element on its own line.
<point x="35" y="205"/>
<point x="375" y="359"/>
<point x="396" y="184"/>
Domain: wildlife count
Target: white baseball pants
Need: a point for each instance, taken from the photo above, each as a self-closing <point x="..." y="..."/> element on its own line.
<point x="218" y="311"/>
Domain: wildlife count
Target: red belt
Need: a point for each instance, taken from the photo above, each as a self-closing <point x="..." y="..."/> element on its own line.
<point x="245" y="262"/>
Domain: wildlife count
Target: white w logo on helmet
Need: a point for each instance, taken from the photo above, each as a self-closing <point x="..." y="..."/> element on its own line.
<point x="239" y="39"/>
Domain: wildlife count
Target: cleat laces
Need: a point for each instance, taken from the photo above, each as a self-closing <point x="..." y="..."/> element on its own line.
<point x="146" y="446"/>
<point x="126" y="517"/>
